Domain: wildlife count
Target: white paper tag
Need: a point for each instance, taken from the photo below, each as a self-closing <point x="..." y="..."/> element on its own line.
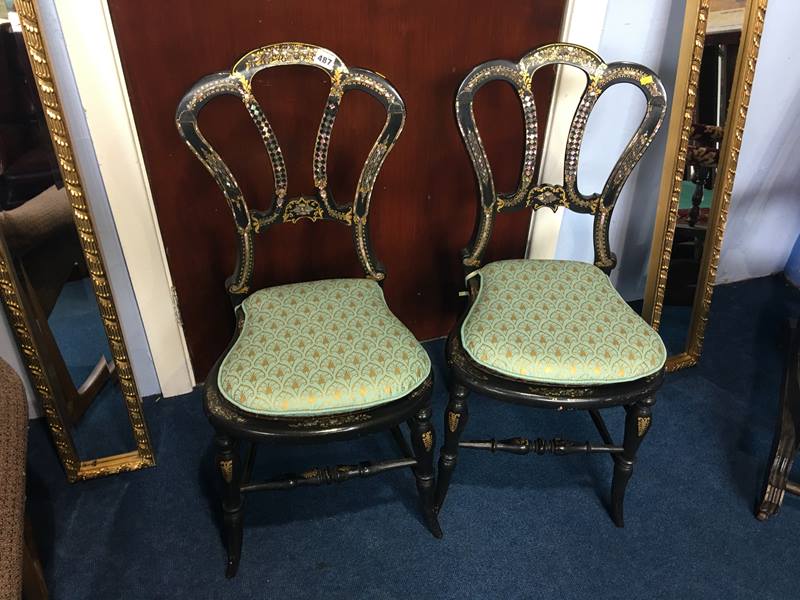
<point x="325" y="59"/>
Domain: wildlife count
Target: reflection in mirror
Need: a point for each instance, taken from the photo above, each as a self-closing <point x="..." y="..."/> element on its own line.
<point x="43" y="249"/>
<point x="717" y="72"/>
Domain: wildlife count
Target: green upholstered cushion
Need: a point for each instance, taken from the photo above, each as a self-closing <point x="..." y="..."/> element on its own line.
<point x="556" y="321"/>
<point x="320" y="347"/>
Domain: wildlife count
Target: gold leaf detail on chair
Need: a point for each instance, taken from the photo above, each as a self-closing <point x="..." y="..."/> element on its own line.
<point x="452" y="420"/>
<point x="226" y="468"/>
<point x="642" y="425"/>
<point x="302" y="208"/>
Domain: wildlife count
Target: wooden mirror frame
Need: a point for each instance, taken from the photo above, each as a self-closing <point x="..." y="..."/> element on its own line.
<point x="681" y="114"/>
<point x="14" y="300"/>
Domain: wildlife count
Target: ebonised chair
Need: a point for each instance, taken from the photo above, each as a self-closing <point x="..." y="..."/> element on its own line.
<point x="549" y="333"/>
<point x="318" y="361"/>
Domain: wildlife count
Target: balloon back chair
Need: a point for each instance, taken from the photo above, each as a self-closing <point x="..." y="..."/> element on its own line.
<point x="317" y="361"/>
<point x="552" y="333"/>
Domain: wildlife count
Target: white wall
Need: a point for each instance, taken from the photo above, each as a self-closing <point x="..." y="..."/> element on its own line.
<point x="647" y="33"/>
<point x="764" y="217"/>
<point x="582" y="25"/>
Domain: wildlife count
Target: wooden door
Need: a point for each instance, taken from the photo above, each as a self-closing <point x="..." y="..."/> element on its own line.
<point x="424" y="202"/>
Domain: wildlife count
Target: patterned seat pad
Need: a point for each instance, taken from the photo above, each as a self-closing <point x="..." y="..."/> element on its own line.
<point x="318" y="348"/>
<point x="555" y="321"/>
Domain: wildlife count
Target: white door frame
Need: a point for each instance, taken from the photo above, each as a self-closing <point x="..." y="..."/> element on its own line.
<point x="91" y="45"/>
<point x="583" y="24"/>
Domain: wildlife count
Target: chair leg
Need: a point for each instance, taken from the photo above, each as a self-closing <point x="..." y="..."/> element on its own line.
<point x="422" y="441"/>
<point x="455" y="421"/>
<point x="786" y="442"/>
<point x="637" y="423"/>
<point x="33" y="584"/>
<point x="230" y="468"/>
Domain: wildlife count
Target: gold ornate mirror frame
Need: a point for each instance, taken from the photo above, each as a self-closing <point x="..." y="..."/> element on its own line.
<point x="684" y="98"/>
<point x="76" y="469"/>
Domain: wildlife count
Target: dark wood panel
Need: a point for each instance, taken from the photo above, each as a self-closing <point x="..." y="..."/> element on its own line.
<point x="424" y="202"/>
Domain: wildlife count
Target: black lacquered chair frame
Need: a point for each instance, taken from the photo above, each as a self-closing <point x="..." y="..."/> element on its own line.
<point x="233" y="425"/>
<point x="467" y="375"/>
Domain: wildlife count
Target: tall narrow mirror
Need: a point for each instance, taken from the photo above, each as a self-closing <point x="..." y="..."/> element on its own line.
<point x="54" y="287"/>
<point x="717" y="70"/>
<point x="697" y="181"/>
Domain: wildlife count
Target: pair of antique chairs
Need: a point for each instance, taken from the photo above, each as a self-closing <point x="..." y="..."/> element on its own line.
<point x="327" y="360"/>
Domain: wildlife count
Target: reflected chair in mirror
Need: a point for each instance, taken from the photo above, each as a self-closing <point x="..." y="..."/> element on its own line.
<point x="317" y="361"/>
<point x="552" y="333"/>
<point x="42" y="242"/>
<point x="702" y="157"/>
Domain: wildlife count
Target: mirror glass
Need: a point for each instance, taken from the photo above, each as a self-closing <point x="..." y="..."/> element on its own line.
<point x="717" y="71"/>
<point x="37" y="229"/>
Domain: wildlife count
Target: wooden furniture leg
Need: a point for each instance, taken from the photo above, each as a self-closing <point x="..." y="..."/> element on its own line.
<point x="455" y="420"/>
<point x="638" y="418"/>
<point x="229" y="466"/>
<point x="785" y="443"/>
<point x="422" y="441"/>
<point x="33" y="585"/>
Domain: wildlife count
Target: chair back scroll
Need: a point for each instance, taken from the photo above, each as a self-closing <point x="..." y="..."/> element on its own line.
<point x="600" y="76"/>
<point x="283" y="208"/>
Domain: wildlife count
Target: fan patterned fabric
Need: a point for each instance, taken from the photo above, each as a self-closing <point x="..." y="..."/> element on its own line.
<point x="318" y="348"/>
<point x="555" y="321"/>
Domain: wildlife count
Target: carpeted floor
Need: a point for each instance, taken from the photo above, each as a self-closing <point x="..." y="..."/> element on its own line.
<point x="515" y="527"/>
<point x="78" y="330"/>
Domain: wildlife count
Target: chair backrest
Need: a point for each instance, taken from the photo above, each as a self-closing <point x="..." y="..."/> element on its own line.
<point x="600" y="77"/>
<point x="283" y="208"/>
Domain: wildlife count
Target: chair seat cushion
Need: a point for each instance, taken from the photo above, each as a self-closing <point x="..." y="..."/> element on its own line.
<point x="561" y="322"/>
<point x="318" y="348"/>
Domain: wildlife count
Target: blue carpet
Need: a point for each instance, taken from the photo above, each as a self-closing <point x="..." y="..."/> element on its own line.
<point x="515" y="527"/>
<point x="78" y="330"/>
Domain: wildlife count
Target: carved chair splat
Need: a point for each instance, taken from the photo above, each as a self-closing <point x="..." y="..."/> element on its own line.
<point x="288" y="378"/>
<point x="552" y="334"/>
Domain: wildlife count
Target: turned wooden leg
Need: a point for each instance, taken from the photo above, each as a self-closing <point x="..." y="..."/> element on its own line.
<point x="637" y="424"/>
<point x="455" y="420"/>
<point x="230" y="468"/>
<point x="784" y="450"/>
<point x="787" y="435"/>
<point x="422" y="440"/>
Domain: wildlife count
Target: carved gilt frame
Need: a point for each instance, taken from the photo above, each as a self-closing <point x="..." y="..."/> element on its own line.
<point x="692" y="42"/>
<point x="76" y="469"/>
